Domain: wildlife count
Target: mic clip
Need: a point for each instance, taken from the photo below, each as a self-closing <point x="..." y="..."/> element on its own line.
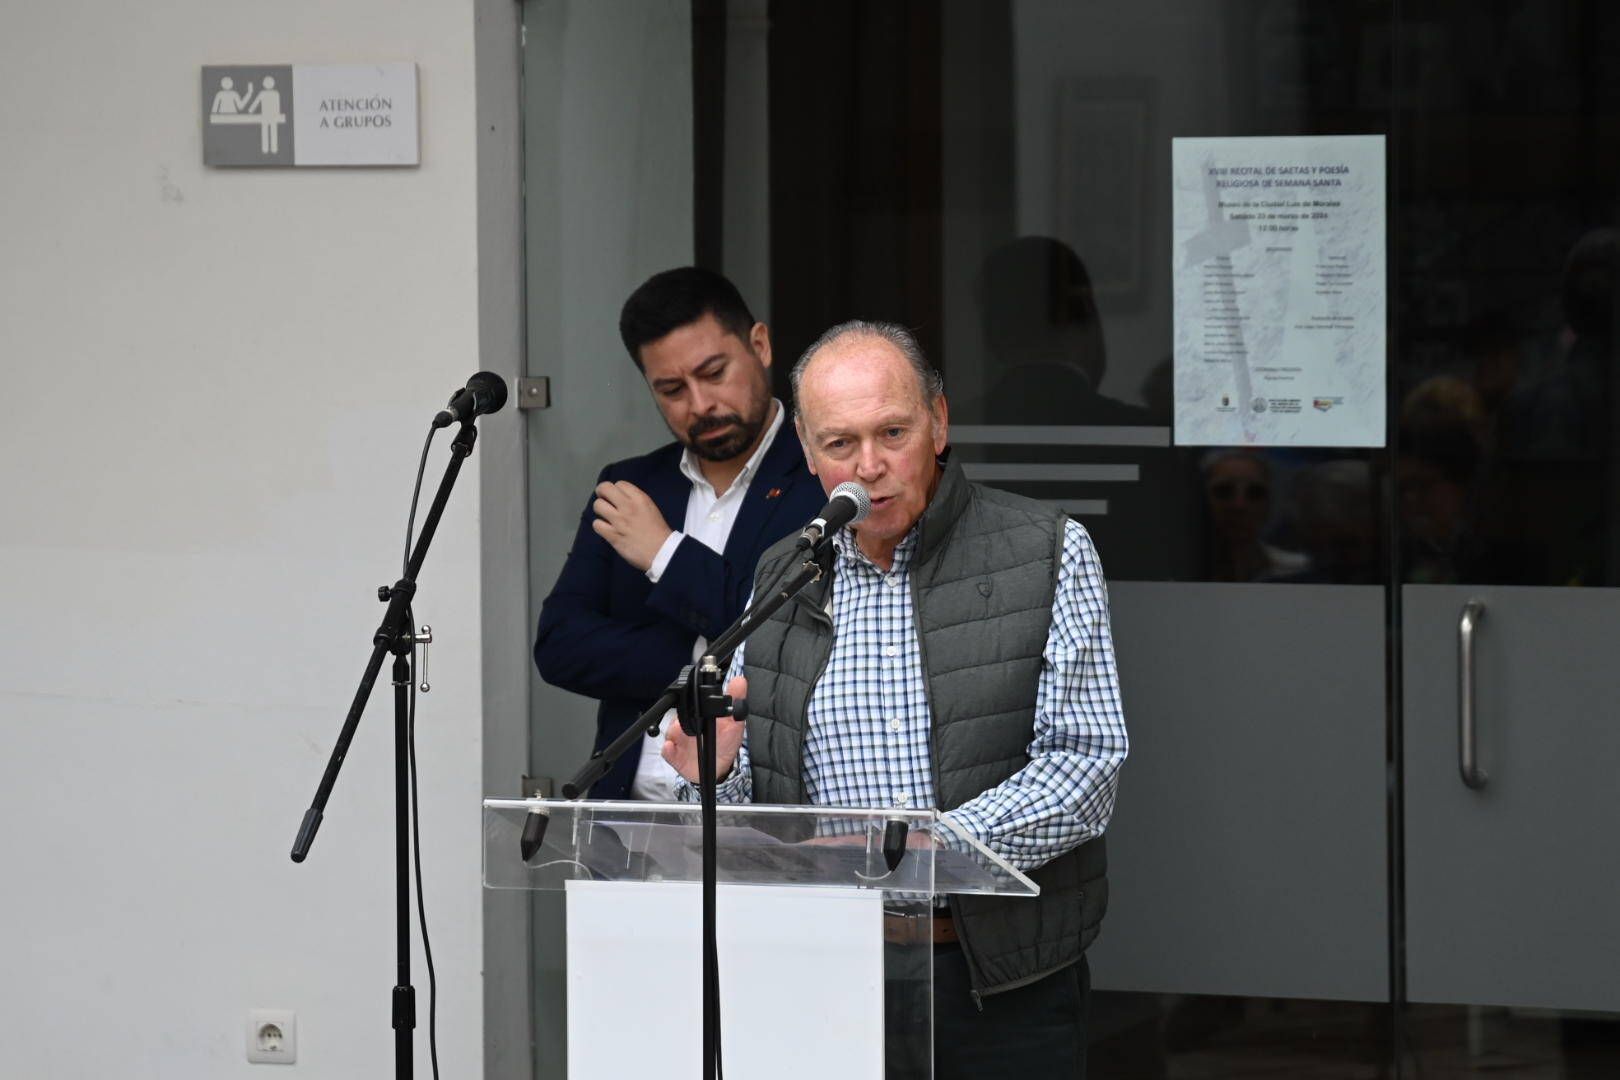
<point x="812" y="537"/>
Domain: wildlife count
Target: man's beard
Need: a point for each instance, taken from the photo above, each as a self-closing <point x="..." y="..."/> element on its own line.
<point x="724" y="449"/>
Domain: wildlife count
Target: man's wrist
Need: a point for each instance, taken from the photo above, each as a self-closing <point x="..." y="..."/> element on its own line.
<point x="970" y="822"/>
<point x="666" y="552"/>
<point x="727" y="785"/>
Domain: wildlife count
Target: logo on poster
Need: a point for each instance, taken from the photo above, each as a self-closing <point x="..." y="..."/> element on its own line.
<point x="1323" y="404"/>
<point x="1258" y="404"/>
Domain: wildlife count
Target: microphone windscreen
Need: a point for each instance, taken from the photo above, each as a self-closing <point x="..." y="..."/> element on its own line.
<point x="863" y="502"/>
<point x="489" y="387"/>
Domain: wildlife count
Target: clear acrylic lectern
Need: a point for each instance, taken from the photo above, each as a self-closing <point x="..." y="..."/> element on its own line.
<point x="825" y="927"/>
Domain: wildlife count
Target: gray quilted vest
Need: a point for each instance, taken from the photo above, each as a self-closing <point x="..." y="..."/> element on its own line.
<point x="982" y="583"/>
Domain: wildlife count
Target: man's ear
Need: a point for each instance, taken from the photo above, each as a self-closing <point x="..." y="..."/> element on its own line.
<point x="942" y="424"/>
<point x="759" y="339"/>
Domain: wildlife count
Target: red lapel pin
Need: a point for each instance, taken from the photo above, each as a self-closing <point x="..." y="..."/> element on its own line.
<point x="773" y="493"/>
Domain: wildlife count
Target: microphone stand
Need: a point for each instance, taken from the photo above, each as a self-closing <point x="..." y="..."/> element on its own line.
<point x="396" y="635"/>
<point x="698" y="700"/>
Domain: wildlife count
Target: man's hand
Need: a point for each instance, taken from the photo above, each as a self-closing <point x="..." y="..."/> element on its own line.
<point x="627" y="518"/>
<point x="680" y="749"/>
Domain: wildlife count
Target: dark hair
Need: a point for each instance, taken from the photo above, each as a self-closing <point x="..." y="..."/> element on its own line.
<point x="675" y="298"/>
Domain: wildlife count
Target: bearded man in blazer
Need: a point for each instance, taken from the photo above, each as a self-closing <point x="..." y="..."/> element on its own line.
<point x="665" y="554"/>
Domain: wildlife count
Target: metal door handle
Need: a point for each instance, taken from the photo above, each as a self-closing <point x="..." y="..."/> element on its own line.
<point x="1467" y="753"/>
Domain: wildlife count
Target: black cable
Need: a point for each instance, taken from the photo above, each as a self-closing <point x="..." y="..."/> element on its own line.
<point x="710" y="995"/>
<point x="416" y="492"/>
<point x="714" y="994"/>
<point x="421" y="900"/>
<point x="416" y="814"/>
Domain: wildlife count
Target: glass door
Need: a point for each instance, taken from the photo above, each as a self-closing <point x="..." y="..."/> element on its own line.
<point x="1366" y="826"/>
<point x="1507" y="452"/>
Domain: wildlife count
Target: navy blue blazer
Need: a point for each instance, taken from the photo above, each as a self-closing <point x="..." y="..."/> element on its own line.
<point x="609" y="633"/>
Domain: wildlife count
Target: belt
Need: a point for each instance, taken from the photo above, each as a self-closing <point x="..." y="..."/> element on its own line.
<point x="919" y="929"/>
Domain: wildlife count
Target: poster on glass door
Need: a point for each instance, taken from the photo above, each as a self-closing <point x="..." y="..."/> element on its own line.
<point x="1280" y="295"/>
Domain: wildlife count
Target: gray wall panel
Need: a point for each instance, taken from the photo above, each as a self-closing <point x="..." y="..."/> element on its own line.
<point x="1247" y="852"/>
<point x="504" y="535"/>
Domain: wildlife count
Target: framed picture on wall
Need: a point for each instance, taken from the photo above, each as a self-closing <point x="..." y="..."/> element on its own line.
<point x="1102" y="173"/>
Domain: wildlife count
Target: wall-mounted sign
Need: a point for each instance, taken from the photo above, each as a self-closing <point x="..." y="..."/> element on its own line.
<point x="1279" y="290"/>
<point x="279" y="115"/>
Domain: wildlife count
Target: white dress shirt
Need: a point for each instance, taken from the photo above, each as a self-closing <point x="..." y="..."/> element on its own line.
<point x="709" y="520"/>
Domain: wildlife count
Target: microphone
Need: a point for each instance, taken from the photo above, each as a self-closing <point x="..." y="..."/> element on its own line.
<point x="848" y="504"/>
<point x="484" y="393"/>
<point x="894" y="844"/>
<point x="534" y="833"/>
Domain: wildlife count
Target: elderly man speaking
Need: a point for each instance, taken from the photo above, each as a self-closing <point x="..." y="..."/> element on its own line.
<point x="957" y="655"/>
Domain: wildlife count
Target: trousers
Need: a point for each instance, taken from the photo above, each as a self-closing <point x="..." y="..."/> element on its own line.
<point x="1037" y="1030"/>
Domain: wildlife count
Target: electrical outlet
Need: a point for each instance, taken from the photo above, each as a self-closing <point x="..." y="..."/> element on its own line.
<point x="272" y="1036"/>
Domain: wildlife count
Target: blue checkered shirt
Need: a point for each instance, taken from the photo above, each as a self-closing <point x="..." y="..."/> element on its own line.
<point x="868" y="739"/>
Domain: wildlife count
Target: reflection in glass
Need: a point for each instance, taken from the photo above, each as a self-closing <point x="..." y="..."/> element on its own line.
<point x="1160" y="1036"/>
<point x="1047" y="355"/>
<point x="921" y="159"/>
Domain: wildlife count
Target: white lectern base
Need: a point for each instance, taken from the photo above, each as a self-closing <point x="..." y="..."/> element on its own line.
<point x="801" y="984"/>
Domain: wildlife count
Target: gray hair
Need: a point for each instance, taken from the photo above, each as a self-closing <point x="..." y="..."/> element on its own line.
<point x="928" y="377"/>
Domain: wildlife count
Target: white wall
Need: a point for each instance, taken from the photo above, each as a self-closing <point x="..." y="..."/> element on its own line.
<point x="218" y="381"/>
